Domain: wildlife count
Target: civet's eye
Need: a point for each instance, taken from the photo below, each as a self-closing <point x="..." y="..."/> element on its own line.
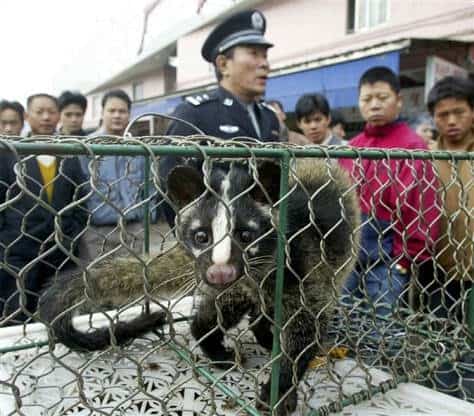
<point x="245" y="236"/>
<point x="201" y="237"/>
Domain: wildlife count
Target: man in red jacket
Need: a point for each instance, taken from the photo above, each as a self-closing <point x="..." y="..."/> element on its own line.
<point x="398" y="200"/>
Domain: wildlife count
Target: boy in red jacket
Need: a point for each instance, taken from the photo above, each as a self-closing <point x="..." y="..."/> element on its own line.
<point x="397" y="197"/>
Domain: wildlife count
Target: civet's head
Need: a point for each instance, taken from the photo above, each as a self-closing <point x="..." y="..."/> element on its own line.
<point x="225" y="217"/>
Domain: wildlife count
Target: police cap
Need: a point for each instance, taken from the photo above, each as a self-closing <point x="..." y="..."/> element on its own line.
<point x="244" y="28"/>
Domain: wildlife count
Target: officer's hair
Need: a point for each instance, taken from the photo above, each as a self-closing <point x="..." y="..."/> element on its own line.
<point x="14" y="106"/>
<point x="311" y="103"/>
<point x="451" y="87"/>
<point x="229" y="54"/>
<point x="120" y="94"/>
<point x="31" y="98"/>
<point x="69" y="97"/>
<point x="380" y="74"/>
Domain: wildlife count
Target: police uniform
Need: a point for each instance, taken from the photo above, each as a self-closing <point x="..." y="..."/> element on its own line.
<point x="219" y="113"/>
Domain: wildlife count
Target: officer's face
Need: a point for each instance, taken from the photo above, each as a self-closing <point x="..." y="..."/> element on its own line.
<point x="245" y="73"/>
<point x="115" y="116"/>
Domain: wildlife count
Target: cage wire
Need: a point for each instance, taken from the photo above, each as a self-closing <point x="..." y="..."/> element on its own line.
<point x="353" y="344"/>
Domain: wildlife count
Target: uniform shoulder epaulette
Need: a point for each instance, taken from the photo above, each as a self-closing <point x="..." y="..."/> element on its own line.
<point x="197" y="100"/>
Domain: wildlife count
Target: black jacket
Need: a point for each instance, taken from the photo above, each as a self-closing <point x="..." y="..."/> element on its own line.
<point x="27" y="226"/>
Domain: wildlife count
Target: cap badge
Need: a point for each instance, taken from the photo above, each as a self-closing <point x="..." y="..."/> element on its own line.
<point x="257" y="21"/>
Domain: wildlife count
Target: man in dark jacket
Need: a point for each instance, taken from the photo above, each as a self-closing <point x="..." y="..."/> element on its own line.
<point x="40" y="219"/>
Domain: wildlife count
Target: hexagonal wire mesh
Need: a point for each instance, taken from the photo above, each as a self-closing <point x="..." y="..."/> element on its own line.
<point x="283" y="324"/>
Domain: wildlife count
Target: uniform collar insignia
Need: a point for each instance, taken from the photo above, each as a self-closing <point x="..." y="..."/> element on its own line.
<point x="193" y="100"/>
<point x="228" y="101"/>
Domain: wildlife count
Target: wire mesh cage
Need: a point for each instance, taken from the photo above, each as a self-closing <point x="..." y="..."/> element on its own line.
<point x="198" y="276"/>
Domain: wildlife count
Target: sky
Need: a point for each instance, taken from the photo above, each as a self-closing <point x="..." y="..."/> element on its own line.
<point x="52" y="45"/>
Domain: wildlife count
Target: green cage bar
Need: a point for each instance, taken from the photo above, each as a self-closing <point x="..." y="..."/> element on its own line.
<point x="192" y="151"/>
<point x="283" y="209"/>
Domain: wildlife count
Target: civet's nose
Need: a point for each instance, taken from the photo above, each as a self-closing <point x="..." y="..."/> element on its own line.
<point x="221" y="274"/>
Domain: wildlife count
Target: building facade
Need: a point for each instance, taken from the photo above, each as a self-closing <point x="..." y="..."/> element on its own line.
<point x="320" y="46"/>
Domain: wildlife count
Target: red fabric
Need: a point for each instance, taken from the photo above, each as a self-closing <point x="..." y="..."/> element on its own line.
<point x="402" y="192"/>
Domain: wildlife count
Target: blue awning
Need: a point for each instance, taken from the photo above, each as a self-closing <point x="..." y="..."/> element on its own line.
<point x="163" y="106"/>
<point x="338" y="82"/>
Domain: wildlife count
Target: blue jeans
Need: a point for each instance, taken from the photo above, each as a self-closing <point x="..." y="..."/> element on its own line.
<point x="371" y="296"/>
<point x="376" y="290"/>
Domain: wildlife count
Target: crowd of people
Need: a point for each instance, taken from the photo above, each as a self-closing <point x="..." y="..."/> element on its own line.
<point x="417" y="214"/>
<point x="88" y="198"/>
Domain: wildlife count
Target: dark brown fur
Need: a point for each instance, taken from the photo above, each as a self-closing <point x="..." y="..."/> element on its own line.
<point x="111" y="284"/>
<point x="322" y="246"/>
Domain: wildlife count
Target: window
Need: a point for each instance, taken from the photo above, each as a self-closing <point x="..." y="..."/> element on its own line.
<point x="137" y="91"/>
<point x="365" y="14"/>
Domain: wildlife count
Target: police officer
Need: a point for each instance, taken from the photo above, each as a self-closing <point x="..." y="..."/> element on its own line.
<point x="238" y="51"/>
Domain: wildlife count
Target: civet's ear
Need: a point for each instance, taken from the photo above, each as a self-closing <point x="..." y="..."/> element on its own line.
<point x="185" y="184"/>
<point x="269" y="178"/>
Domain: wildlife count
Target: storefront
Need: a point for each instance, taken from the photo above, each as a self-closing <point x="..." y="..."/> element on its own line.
<point x="337" y="77"/>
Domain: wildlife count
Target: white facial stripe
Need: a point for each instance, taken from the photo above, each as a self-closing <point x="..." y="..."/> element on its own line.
<point x="221" y="227"/>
